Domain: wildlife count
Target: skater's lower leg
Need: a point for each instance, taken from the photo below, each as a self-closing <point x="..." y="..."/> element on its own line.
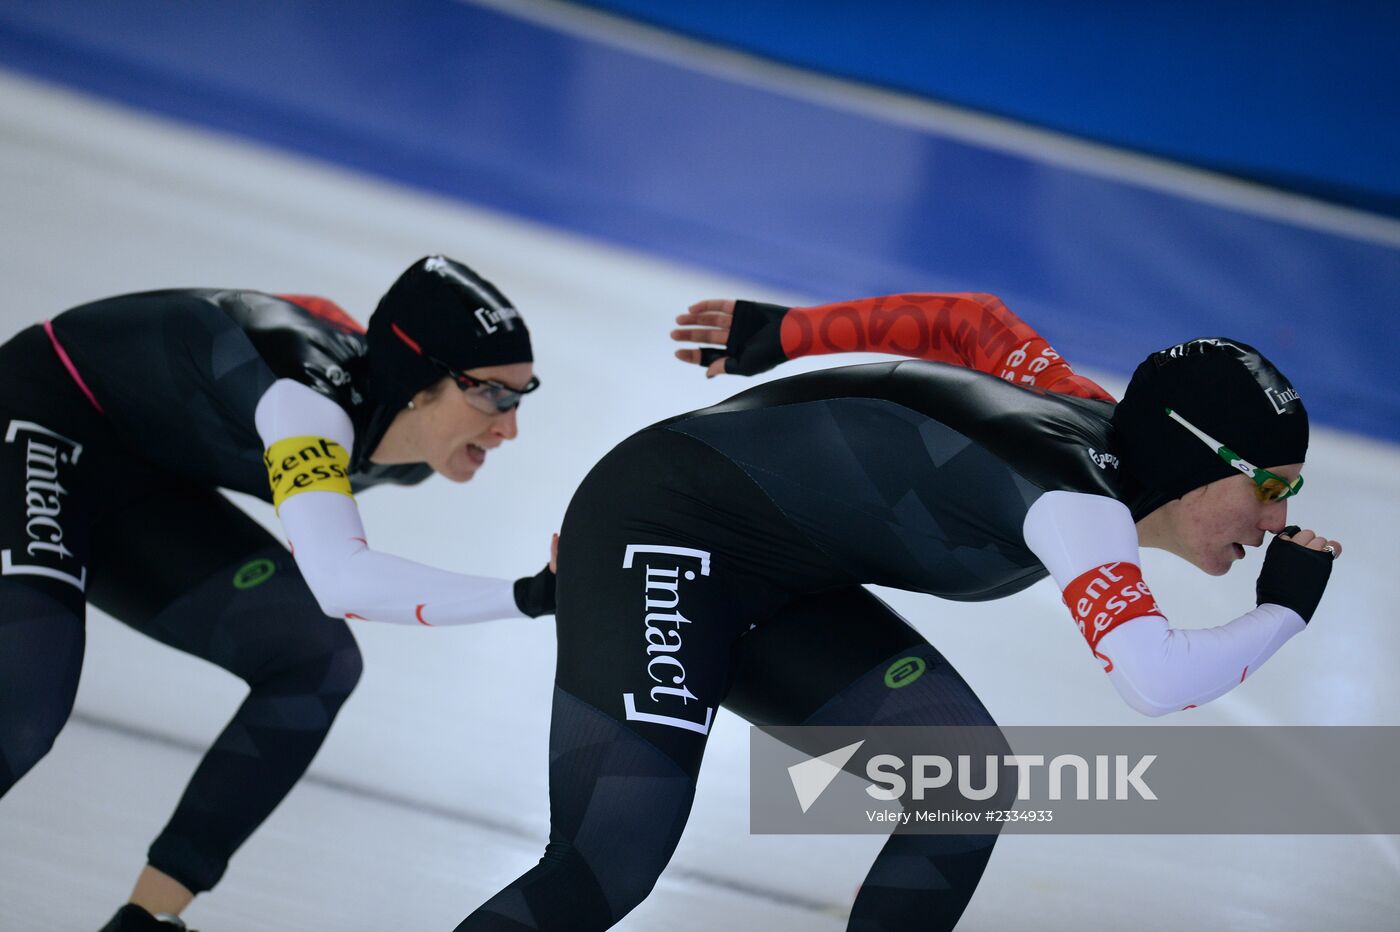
<point x="158" y="892"/>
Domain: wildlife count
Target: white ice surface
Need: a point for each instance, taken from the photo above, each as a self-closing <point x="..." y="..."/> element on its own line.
<point x="430" y="793"/>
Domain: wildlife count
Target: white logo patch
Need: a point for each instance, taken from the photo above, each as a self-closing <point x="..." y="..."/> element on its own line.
<point x="1103" y="460"/>
<point x="46" y="454"/>
<point x="1281" y="400"/>
<point x="663" y="625"/>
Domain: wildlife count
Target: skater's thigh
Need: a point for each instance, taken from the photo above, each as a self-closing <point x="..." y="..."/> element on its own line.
<point x="804" y="660"/>
<point x="151" y="550"/>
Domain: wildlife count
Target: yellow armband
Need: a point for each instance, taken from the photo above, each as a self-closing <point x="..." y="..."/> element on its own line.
<point x="306" y="464"/>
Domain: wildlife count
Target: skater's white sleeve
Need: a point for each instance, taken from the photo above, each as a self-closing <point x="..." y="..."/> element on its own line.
<point x="308" y="439"/>
<point x="1089" y="544"/>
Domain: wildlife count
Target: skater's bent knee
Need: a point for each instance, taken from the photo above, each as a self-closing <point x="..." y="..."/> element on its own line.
<point x="22" y="745"/>
<point x="328" y="666"/>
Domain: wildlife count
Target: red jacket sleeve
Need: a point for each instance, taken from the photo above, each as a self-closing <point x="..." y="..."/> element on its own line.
<point x="975" y="330"/>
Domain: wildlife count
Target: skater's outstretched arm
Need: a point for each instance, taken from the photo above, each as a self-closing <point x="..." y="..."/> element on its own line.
<point x="308" y="440"/>
<point x="966" y="329"/>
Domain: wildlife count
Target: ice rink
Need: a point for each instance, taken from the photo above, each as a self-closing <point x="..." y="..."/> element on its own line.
<point x="430" y="793"/>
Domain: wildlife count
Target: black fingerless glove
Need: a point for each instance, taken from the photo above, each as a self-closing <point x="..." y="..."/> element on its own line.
<point x="755" y="339"/>
<point x="1293" y="576"/>
<point x="534" y="595"/>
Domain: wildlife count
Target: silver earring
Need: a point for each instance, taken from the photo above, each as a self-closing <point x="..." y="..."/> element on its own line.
<point x="410" y="406"/>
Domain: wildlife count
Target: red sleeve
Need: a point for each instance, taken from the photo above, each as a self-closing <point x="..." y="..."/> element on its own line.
<point x="974" y="330"/>
<point x="325" y="309"/>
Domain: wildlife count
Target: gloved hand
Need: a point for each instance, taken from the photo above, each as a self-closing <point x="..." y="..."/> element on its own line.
<point x="1295" y="572"/>
<point x="750" y="331"/>
<point x="534" y="595"/>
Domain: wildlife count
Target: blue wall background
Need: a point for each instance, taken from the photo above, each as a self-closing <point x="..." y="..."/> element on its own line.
<point x="830" y="203"/>
<point x="1294" y="93"/>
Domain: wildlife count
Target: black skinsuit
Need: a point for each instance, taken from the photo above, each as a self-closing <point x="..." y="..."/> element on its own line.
<point x="119" y="507"/>
<point x="717" y="558"/>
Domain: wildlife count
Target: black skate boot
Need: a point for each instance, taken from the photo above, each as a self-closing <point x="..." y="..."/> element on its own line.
<point x="132" y="918"/>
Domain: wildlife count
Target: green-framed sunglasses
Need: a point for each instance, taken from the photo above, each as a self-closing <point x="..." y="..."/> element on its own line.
<point x="1268" y="486"/>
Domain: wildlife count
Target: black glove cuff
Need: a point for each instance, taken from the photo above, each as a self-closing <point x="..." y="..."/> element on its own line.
<point x="534" y="595"/>
<point x="1293" y="576"/>
<point x="755" y="338"/>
